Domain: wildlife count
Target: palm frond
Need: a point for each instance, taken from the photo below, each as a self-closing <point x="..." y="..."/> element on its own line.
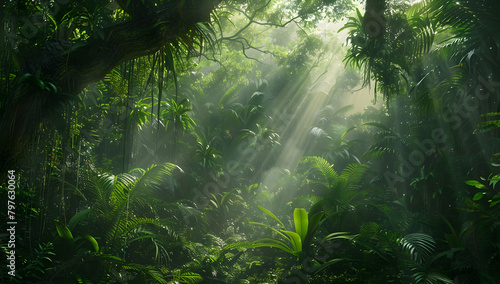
<point x="418" y="8"/>
<point x="152" y="180"/>
<point x="317" y="134"/>
<point x="179" y="276"/>
<point x="229" y="97"/>
<point x="419" y="246"/>
<point x="117" y="83"/>
<point x="353" y="174"/>
<point x="328" y="173"/>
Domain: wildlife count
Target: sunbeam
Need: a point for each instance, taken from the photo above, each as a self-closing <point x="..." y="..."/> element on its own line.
<point x="250" y="141"/>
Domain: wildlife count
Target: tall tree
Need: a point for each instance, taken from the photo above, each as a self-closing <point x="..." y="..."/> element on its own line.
<point x="52" y="50"/>
<point x="55" y="66"/>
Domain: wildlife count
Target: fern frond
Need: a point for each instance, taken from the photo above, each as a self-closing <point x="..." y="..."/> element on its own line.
<point x="320" y="164"/>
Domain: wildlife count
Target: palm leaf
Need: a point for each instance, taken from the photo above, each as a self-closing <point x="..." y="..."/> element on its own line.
<point x="179" y="276"/>
<point x="229" y="97"/>
<point x="321" y="165"/>
<point x="420" y="246"/>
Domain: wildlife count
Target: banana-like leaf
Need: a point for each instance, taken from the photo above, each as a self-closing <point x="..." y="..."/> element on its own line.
<point x="93" y="242"/>
<point x="314" y="224"/>
<point x="301" y="221"/>
<point x="77" y="217"/>
<point x="63" y="231"/>
<point x="295" y="240"/>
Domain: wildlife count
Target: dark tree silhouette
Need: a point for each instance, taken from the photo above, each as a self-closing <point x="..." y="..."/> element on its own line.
<point x="64" y="68"/>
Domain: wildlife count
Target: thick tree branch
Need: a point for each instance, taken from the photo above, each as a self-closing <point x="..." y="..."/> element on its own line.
<point x="140" y="36"/>
<point x="73" y="66"/>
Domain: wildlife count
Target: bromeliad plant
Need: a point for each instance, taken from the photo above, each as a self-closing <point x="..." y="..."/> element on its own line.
<point x="297" y="243"/>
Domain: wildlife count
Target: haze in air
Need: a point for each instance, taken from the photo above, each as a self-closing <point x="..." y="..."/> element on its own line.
<point x="256" y="141"/>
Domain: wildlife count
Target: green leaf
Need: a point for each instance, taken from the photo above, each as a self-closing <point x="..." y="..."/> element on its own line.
<point x="328" y="263"/>
<point x="229" y="96"/>
<point x="494" y="180"/>
<point x="77" y="218"/>
<point x="379" y="125"/>
<point x="269" y="227"/>
<point x="63" y="231"/>
<point x="187" y="277"/>
<point x="476" y="184"/>
<point x="478" y="196"/>
<point x="339" y="235"/>
<point x="92" y="241"/>
<point x="295" y="240"/>
<point x="271" y="241"/>
<point x="495" y="200"/>
<point x="273" y="245"/>
<point x="346" y="132"/>
<point x="301" y="222"/>
<point x="271" y="215"/>
<point x="315" y="221"/>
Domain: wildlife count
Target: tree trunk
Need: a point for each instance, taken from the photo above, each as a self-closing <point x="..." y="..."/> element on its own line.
<point x="374" y="21"/>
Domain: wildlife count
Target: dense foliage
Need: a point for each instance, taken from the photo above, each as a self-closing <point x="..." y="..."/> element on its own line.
<point x="218" y="141"/>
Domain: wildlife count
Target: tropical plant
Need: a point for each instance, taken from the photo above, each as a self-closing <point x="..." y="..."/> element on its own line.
<point x="389" y="256"/>
<point x="329" y="138"/>
<point x="120" y="217"/>
<point x="339" y="190"/>
<point x="214" y="259"/>
<point x="370" y="53"/>
<point x="208" y="157"/>
<point x="177" y="114"/>
<point x="260" y="138"/>
<point x="39" y="265"/>
<point x="299" y="241"/>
